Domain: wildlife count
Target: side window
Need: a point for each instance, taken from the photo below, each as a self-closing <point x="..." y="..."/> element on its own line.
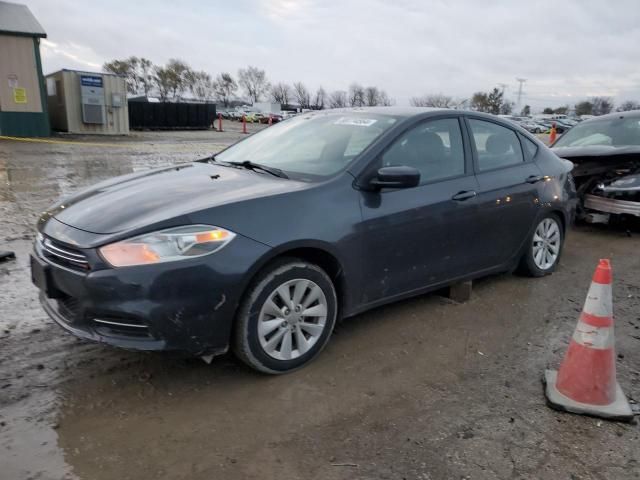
<point x="433" y="147"/>
<point x="530" y="147"/>
<point x="497" y="146"/>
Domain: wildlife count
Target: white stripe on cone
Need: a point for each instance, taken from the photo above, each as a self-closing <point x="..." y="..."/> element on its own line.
<point x="599" y="338"/>
<point x="599" y="301"/>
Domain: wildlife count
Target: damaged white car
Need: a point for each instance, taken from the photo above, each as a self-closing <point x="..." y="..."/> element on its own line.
<point x="605" y="152"/>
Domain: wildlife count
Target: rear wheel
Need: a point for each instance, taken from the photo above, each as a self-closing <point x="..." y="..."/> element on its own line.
<point x="543" y="247"/>
<point x="286" y="317"/>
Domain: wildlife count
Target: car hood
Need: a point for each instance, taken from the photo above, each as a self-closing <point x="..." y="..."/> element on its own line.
<point x="596" y="151"/>
<point x="149" y="198"/>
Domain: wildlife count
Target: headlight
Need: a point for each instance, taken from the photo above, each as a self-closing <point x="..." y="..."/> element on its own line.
<point x="167" y="245"/>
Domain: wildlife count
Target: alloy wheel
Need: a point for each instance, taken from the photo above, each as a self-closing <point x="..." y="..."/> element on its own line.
<point x="292" y="319"/>
<point x="546" y="243"/>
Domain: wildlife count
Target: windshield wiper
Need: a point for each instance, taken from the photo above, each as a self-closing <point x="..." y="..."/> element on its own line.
<point x="248" y="164"/>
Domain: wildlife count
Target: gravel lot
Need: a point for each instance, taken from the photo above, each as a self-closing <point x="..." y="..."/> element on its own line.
<point x="423" y="389"/>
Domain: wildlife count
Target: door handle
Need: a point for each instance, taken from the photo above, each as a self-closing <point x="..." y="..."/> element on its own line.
<point x="534" y="179"/>
<point x="464" y="195"/>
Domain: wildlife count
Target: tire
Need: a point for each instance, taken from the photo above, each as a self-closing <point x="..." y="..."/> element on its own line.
<point x="273" y="338"/>
<point x="534" y="261"/>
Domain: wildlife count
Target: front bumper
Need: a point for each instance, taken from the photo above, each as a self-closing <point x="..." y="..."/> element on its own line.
<point x="611" y="205"/>
<point x="185" y="306"/>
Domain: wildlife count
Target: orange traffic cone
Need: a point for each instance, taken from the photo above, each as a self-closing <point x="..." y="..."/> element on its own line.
<point x="552" y="134"/>
<point x="586" y="382"/>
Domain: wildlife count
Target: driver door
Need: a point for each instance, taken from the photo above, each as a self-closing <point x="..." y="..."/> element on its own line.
<point x="416" y="237"/>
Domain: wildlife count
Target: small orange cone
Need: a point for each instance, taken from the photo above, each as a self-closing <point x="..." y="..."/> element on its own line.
<point x="586" y="381"/>
<point x="552" y="134"/>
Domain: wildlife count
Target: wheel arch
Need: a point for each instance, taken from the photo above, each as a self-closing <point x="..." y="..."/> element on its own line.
<point x="318" y="253"/>
<point x="561" y="214"/>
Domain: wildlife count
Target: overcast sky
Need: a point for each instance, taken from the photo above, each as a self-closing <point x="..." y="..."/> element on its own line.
<point x="567" y="50"/>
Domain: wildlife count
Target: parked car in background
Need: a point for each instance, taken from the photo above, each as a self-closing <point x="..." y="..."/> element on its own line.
<point x="560" y="128"/>
<point x="271" y="117"/>
<point x="533" y="127"/>
<point x="263" y="246"/>
<point x="606" y="154"/>
<point x="565" y="123"/>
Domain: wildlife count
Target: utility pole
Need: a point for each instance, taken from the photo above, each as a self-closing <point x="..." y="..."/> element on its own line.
<point x="521" y="82"/>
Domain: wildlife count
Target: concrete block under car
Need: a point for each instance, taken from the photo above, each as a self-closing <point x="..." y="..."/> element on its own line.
<point x="461" y="292"/>
<point x="5" y="256"/>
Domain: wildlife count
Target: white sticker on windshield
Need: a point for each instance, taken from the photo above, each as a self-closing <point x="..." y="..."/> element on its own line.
<point x="355" y="121"/>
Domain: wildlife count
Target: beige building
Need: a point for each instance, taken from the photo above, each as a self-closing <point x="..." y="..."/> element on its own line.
<point x="87" y="102"/>
<point x="23" y="109"/>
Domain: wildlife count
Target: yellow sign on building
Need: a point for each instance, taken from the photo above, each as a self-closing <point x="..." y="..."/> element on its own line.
<point x="20" y="95"/>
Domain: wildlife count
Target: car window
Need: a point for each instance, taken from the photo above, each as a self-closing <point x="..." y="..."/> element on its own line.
<point x="311" y="146"/>
<point x="612" y="131"/>
<point x="433" y="147"/>
<point x="497" y="146"/>
<point x="530" y="147"/>
<point x="359" y="140"/>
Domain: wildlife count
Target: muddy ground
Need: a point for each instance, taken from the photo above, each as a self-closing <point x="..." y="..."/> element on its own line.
<point x="423" y="389"/>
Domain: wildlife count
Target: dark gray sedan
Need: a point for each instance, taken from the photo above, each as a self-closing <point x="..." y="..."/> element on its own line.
<point x="263" y="246"/>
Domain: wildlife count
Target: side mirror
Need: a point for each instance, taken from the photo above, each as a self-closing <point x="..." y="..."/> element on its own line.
<point x="396" y="177"/>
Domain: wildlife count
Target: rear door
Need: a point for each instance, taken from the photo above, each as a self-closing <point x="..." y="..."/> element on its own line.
<point x="507" y="190"/>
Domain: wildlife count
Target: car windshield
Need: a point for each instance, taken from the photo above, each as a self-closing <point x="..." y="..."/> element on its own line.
<point x="616" y="132"/>
<point x="311" y="146"/>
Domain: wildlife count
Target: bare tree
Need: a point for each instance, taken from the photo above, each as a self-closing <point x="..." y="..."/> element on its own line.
<point x="384" y="100"/>
<point x="162" y="79"/>
<point x="254" y="81"/>
<point x="507" y="107"/>
<point x="173" y="79"/>
<point x="201" y="85"/>
<point x="281" y="93"/>
<point x="490" y="102"/>
<point x="302" y="95"/>
<point x="320" y="98"/>
<point x="137" y="72"/>
<point x="438" y="101"/>
<point x="338" y="99"/>
<point x="461" y="104"/>
<point x="224" y="88"/>
<point x="371" y="96"/>
<point x="601" y="105"/>
<point x="145" y="75"/>
<point x="127" y="68"/>
<point x="629" y="105"/>
<point x="356" y="95"/>
<point x="418" y="101"/>
<point x="584" y="108"/>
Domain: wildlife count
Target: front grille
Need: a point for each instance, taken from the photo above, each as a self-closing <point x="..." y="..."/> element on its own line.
<point x="63" y="255"/>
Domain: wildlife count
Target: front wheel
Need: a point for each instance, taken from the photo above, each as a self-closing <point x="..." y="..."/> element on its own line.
<point x="286" y="317"/>
<point x="543" y="247"/>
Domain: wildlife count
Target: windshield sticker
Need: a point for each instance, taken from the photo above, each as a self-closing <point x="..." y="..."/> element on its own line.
<point x="358" y="122"/>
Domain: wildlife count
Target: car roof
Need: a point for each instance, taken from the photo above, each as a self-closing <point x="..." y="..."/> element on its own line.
<point x="628" y="114"/>
<point x="391" y="111"/>
<point x="408" y="112"/>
